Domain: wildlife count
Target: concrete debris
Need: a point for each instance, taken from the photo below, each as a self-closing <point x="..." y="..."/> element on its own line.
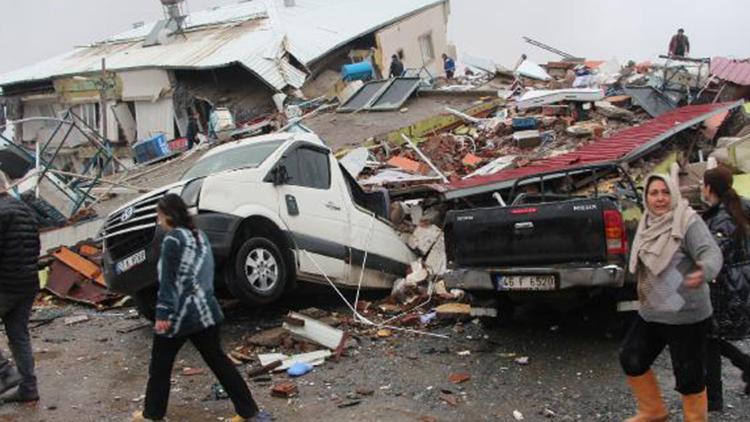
<point x="269" y="338"/>
<point x="517" y="415"/>
<point x="453" y="311"/>
<point x="424" y="238"/>
<point x="76" y="319"/>
<point x="316" y="331"/>
<point x="315" y="358"/>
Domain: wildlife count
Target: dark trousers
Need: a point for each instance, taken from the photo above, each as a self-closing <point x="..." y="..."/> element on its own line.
<point x="208" y="344"/>
<point x="718" y="347"/>
<point x="15" y="311"/>
<point x="687" y="349"/>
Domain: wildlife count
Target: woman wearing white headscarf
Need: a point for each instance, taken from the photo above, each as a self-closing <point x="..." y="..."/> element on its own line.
<point x="673" y="257"/>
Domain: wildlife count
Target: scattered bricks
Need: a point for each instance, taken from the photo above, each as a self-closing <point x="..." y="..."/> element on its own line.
<point x="555" y="110"/>
<point x="405" y="164"/>
<point x="284" y="390"/>
<point x="384" y="332"/>
<point x="619" y="100"/>
<point x="471" y="160"/>
<point x="459" y="377"/>
<point x="89" y="251"/>
<point x="269" y="338"/>
<point x="189" y="372"/>
<point x="410" y="320"/>
<point x="453" y="311"/>
<point x="363" y="306"/>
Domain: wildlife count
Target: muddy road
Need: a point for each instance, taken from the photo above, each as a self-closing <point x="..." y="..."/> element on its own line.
<point x="545" y="366"/>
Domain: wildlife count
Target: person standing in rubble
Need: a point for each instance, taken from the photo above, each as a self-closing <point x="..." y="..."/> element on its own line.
<point x="19" y="285"/>
<point x="192" y="129"/>
<point x="679" y="45"/>
<point x="449" y="66"/>
<point x="727" y="219"/>
<point x="397" y="67"/>
<point x="673" y="258"/>
<point x="187" y="309"/>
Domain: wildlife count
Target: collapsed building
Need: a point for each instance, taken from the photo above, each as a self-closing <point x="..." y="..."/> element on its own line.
<point x="247" y="57"/>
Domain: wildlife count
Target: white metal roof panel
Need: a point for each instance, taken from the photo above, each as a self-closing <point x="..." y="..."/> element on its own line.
<point x="254" y="33"/>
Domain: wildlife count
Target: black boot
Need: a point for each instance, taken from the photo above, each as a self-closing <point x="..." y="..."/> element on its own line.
<point x="18" y="396"/>
<point x="9" y="378"/>
<point x="738" y="359"/>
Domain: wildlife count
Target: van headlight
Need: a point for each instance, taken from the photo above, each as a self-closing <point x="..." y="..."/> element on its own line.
<point x="191" y="192"/>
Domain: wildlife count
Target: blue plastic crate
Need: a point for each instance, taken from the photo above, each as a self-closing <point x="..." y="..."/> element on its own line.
<point x="525" y="123"/>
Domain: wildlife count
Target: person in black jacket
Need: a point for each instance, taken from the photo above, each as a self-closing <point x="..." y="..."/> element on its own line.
<point x="397" y="67"/>
<point x="19" y="285"/>
<point x="727" y="219"/>
<point x="192" y="129"/>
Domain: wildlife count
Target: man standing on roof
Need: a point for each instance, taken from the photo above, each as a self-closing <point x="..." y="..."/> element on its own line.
<point x="679" y="46"/>
<point x="449" y="66"/>
<point x="397" y="67"/>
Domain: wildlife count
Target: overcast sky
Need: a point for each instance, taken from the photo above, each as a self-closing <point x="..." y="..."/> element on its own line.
<point x="32" y="30"/>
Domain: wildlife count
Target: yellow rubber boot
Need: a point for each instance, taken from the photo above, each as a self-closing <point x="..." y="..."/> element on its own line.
<point x="651" y="407"/>
<point x="695" y="407"/>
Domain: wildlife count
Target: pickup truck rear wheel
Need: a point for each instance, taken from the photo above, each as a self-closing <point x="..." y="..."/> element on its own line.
<point x="258" y="273"/>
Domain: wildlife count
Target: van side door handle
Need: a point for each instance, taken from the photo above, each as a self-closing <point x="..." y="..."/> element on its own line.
<point x="331" y="206"/>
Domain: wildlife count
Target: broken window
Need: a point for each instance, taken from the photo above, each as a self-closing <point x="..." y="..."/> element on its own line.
<point x="426" y="46"/>
<point x="89" y="113"/>
<point x="309" y="168"/>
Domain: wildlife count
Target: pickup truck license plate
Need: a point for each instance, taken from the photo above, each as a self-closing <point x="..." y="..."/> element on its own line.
<point x="131" y="261"/>
<point x="525" y="282"/>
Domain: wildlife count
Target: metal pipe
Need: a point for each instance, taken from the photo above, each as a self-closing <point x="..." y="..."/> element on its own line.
<point x="424" y="158"/>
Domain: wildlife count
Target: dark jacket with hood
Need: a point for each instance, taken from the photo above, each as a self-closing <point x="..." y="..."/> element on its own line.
<point x="19" y="247"/>
<point x="730" y="294"/>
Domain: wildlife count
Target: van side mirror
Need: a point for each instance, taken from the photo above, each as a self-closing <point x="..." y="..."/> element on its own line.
<point x="279" y="175"/>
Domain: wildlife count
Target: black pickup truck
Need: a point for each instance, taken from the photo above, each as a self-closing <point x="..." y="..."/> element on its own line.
<point x="547" y="245"/>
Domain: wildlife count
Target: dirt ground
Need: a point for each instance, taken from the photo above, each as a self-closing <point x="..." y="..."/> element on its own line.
<point x="96" y="371"/>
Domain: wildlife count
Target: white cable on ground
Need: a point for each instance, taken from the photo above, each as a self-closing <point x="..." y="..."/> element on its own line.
<point x="364" y="261"/>
<point x="360" y="316"/>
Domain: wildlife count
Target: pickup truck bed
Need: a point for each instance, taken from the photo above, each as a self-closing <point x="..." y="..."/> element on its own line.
<point x="537" y="247"/>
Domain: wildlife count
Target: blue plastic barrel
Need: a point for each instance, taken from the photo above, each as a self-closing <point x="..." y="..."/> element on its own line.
<point x="357" y="71"/>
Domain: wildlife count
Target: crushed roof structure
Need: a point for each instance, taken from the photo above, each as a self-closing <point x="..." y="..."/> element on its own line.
<point x="257" y="34"/>
<point x="625" y="145"/>
<point x="736" y="71"/>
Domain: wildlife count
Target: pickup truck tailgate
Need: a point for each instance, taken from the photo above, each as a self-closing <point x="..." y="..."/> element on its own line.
<point x="546" y="233"/>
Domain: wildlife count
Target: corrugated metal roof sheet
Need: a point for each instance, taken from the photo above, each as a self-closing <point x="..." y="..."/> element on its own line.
<point x="624" y="145"/>
<point x="731" y="70"/>
<point x="238" y="33"/>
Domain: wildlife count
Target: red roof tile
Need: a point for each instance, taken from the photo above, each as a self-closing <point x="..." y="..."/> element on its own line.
<point x="731" y="70"/>
<point x="627" y="143"/>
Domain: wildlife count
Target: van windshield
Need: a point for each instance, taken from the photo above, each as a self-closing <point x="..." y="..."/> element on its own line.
<point x="246" y="156"/>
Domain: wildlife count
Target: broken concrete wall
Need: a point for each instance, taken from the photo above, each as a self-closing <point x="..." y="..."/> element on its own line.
<point x="246" y="96"/>
<point x="412" y="37"/>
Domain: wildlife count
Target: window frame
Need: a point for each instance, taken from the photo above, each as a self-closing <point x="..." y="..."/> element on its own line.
<point x="427" y="40"/>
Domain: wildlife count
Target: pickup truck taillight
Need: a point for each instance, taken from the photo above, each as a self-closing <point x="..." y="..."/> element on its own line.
<point x="614" y="229"/>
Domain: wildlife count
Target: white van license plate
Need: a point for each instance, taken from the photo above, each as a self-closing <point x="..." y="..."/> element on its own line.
<point x="525" y="282"/>
<point x="131" y="261"/>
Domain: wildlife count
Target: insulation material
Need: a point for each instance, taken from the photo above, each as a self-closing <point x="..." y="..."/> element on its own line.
<point x="144" y="85"/>
<point x="154" y="118"/>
